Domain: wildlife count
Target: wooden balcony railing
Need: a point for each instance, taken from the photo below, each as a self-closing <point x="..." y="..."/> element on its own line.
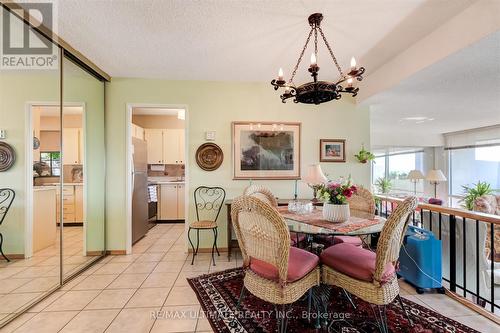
<point x="468" y="251"/>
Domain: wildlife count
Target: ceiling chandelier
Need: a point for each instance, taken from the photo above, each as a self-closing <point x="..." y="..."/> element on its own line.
<point x="317" y="92"/>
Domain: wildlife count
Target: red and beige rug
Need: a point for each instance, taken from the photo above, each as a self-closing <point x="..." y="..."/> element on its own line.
<point x="218" y="294"/>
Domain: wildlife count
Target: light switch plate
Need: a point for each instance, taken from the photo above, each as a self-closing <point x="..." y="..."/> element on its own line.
<point x="3" y="134"/>
<point x="210" y="135"/>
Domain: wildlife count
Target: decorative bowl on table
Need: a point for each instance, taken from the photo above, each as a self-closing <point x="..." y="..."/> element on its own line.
<point x="336" y="213"/>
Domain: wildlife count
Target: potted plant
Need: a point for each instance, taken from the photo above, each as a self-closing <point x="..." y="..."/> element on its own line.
<point x="471" y="193"/>
<point x="335" y="195"/>
<point x="383" y="185"/>
<point x="364" y="155"/>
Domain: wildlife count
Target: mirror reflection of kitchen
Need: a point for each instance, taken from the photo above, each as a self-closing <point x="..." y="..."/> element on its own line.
<point x="47" y="168"/>
<point x="158" y="139"/>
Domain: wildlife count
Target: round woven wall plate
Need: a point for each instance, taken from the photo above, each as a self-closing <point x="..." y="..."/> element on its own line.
<point x="209" y="156"/>
<point x="7" y="156"/>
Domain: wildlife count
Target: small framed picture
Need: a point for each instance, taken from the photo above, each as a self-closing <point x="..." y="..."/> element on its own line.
<point x="332" y="150"/>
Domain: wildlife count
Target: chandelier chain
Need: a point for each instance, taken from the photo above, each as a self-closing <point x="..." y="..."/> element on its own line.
<point x="331" y="52"/>
<point x="316" y="42"/>
<point x="300" y="56"/>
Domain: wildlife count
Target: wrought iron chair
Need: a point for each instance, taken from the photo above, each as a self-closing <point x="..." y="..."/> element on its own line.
<point x="208" y="202"/>
<point x="7" y="196"/>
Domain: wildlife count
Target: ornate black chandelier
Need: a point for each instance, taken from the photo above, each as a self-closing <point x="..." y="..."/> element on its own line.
<point x="317" y="92"/>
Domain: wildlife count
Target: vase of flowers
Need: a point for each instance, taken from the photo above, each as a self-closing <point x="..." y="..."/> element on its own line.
<point x="335" y="195"/>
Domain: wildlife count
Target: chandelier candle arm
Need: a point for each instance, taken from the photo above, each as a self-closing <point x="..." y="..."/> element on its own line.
<point x="317" y="91"/>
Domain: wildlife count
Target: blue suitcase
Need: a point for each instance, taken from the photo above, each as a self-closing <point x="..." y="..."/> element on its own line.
<point x="425" y="250"/>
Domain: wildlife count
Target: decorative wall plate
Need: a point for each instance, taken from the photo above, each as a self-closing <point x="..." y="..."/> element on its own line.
<point x="36" y="143"/>
<point x="209" y="156"/>
<point x="7" y="156"/>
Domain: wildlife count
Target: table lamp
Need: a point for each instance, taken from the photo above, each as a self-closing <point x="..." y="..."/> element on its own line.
<point x="414" y="176"/>
<point x="314" y="178"/>
<point x="435" y="177"/>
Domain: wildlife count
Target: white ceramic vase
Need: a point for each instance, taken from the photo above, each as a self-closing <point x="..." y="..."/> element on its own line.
<point x="336" y="213"/>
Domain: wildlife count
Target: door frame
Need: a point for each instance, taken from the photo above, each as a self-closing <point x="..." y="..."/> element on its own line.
<point x="128" y="164"/>
<point x="28" y="209"/>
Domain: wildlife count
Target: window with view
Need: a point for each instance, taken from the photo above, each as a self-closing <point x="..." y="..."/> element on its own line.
<point x="53" y="161"/>
<point x="469" y="165"/>
<point x="395" y="167"/>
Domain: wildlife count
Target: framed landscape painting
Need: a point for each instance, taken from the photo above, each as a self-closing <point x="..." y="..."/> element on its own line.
<point x="332" y="150"/>
<point x="266" y="150"/>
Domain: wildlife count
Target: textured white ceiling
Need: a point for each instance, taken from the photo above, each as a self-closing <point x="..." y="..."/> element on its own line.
<point x="457" y="93"/>
<point x="230" y="40"/>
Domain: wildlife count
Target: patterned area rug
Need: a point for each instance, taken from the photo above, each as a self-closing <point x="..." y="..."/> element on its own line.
<point x="218" y="294"/>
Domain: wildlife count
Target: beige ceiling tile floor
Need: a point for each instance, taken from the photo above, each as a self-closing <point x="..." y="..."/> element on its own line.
<point x="95" y="282"/>
<point x="47" y="322"/>
<point x="159" y="298"/>
<point x="111" y="299"/>
<point x="91" y="321"/>
<point x="140" y="267"/>
<point x="160" y="280"/>
<point x="181" y="296"/>
<point x="147" y="297"/>
<point x="126" y="281"/>
<point x="177" y="319"/>
<point x="138" y="320"/>
<point x="73" y="300"/>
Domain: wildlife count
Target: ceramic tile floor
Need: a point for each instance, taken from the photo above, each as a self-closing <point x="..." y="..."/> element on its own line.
<point x="123" y="293"/>
<point x="23" y="281"/>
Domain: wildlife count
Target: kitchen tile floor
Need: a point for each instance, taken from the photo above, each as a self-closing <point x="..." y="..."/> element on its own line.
<point x="23" y="281"/>
<point x="122" y="293"/>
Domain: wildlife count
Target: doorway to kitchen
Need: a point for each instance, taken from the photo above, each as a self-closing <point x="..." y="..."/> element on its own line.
<point x="156" y="168"/>
<point x="56" y="208"/>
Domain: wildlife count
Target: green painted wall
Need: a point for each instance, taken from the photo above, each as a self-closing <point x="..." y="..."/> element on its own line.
<point x="213" y="106"/>
<point x="16" y="89"/>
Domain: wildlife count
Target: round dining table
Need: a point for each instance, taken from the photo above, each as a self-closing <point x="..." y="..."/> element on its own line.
<point x="312" y="223"/>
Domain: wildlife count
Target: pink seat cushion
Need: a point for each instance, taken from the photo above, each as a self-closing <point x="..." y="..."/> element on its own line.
<point x="327" y="240"/>
<point x="354" y="261"/>
<point x="300" y="263"/>
<point x="294" y="237"/>
<point x="356" y="241"/>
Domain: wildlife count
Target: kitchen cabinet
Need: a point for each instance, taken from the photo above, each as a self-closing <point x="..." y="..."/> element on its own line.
<point x="72" y="204"/>
<point x="137" y="132"/>
<point x="44" y="214"/>
<point x="180" y="202"/>
<point x="79" y="203"/>
<point x="154" y="140"/>
<point x="171" y="202"/>
<point x="173" y="146"/>
<point x="165" y="146"/>
<point x="72" y="146"/>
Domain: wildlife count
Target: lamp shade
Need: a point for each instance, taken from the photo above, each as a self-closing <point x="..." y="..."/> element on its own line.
<point x="436" y="176"/>
<point x="315" y="175"/>
<point x="415" y="175"/>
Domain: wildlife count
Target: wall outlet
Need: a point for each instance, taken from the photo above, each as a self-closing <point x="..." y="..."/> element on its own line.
<point x="3" y="134"/>
<point x="210" y="135"/>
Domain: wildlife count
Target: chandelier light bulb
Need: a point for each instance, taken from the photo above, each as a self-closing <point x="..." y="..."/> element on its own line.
<point x="353" y="63"/>
<point x="349" y="82"/>
<point x="313" y="59"/>
<point x="280" y="74"/>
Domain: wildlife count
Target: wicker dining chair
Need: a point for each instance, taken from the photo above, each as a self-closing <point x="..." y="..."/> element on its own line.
<point x="263" y="193"/>
<point x="208" y="203"/>
<point x="369" y="275"/>
<point x="7" y="196"/>
<point x="274" y="271"/>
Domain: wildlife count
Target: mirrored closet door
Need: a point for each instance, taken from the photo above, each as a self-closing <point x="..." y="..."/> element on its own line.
<point x="30" y="175"/>
<point x="52" y="172"/>
<point x="82" y="167"/>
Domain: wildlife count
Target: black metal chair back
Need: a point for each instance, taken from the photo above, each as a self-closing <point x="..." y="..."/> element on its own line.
<point x="7" y="196"/>
<point x="208" y="202"/>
